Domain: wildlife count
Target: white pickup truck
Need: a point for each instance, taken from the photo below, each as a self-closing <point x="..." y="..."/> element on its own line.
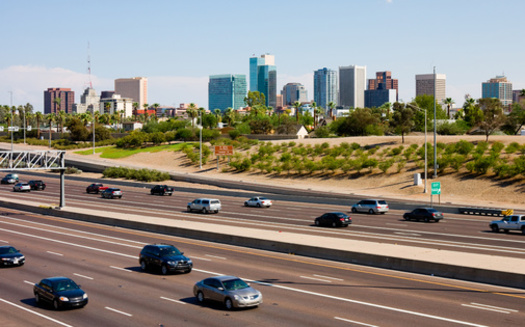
<point x="512" y="222"/>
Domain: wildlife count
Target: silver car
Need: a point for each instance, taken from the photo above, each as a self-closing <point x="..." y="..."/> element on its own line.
<point x="230" y="290"/>
<point x="258" y="202"/>
<point x="371" y="206"/>
<point x="21" y="187"/>
<point x="204" y="205"/>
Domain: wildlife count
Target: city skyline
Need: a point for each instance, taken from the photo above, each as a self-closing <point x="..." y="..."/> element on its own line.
<point x="175" y="54"/>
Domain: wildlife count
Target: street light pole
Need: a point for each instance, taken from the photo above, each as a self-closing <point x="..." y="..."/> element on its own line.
<point x="426" y="160"/>
<point x="200" y="140"/>
<point x="24" y="111"/>
<point x="93" y="127"/>
<point x="435" y="126"/>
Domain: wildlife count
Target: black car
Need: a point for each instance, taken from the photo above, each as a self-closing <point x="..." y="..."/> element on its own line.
<point x="334" y="219"/>
<point x="161" y="190"/>
<point x="37" y="185"/>
<point x="61" y="292"/>
<point x="426" y="214"/>
<point x="10" y="256"/>
<point x="111" y="193"/>
<point x="10" y="179"/>
<point x="166" y="257"/>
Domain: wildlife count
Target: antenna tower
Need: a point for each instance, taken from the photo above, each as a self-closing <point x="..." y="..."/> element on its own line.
<point x="89" y="68"/>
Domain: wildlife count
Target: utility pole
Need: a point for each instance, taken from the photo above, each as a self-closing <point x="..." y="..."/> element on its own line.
<point x="435" y="126"/>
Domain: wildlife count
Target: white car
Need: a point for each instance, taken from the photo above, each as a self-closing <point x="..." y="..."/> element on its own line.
<point x="21" y="187"/>
<point x="258" y="202"/>
<point x="371" y="206"/>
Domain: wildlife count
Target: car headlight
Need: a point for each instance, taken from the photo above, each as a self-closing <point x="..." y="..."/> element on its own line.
<point x="171" y="263"/>
<point x="63" y="299"/>
<point x="237" y="297"/>
<point x="7" y="259"/>
<point x="190" y="262"/>
<point x="84" y="296"/>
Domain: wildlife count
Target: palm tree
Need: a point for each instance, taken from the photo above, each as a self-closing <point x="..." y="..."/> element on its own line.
<point x="297" y="105"/>
<point x="331" y="105"/>
<point x="192" y="113"/>
<point x="39" y="119"/>
<point x="314" y="109"/>
<point x="146" y="106"/>
<point x="50" y="118"/>
<point x="135" y="108"/>
<point x="218" y="115"/>
<point x="448" y="102"/>
<point x="156" y="107"/>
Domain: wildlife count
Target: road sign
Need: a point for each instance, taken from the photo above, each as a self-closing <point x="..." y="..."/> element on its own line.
<point x="29" y="128"/>
<point x="13" y="128"/>
<point x="1" y="128"/>
<point x="224" y="150"/>
<point x="435" y="187"/>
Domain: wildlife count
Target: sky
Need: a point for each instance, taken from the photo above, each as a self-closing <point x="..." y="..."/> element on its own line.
<point x="178" y="44"/>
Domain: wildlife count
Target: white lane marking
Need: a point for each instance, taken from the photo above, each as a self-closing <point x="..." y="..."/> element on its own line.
<point x="215" y="256"/>
<point x="329" y="277"/>
<point x="36" y="313"/>
<point x="118" y="268"/>
<point x="55" y="253"/>
<point x="393" y="224"/>
<point x="86" y="277"/>
<point x="354" y="322"/>
<point x="4" y="241"/>
<point x="489" y="308"/>
<point x="199" y="258"/>
<point x="28" y="282"/>
<point x="406" y="234"/>
<point x="172" y="300"/>
<point x="118" y="311"/>
<point x="319" y="279"/>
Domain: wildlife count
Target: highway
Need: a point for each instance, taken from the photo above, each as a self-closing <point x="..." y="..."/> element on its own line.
<point x="293" y="214"/>
<point x="297" y="291"/>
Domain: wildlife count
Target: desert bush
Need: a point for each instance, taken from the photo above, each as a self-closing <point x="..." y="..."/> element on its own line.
<point x="463" y="147"/>
<point x="385" y="165"/>
<point x="512" y="147"/>
<point x="497" y="147"/>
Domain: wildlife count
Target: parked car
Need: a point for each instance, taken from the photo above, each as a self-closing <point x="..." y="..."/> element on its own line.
<point x="111" y="193"/>
<point x="512" y="222"/>
<point x="165" y="257"/>
<point x="96" y="188"/>
<point x="426" y="214"/>
<point x="21" y="187"/>
<point x="10" y="179"/>
<point x="161" y="190"/>
<point x="258" y="202"/>
<point x="334" y="219"/>
<point x="230" y="290"/>
<point x="10" y="256"/>
<point x="37" y="185"/>
<point x="205" y="205"/>
<point x="61" y="292"/>
<point x="372" y="206"/>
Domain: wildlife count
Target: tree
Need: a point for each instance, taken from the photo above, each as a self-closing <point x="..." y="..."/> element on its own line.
<point x="192" y="113"/>
<point x="297" y="105"/>
<point x="156" y="107"/>
<point x="146" y="114"/>
<point x="50" y="118"/>
<point x="448" y="102"/>
<point x="515" y="119"/>
<point x="402" y="119"/>
<point x="493" y="115"/>
<point x="39" y="119"/>
<point x="77" y="130"/>
<point x="218" y="113"/>
<point x="358" y="123"/>
<point x="255" y="98"/>
<point x="331" y="105"/>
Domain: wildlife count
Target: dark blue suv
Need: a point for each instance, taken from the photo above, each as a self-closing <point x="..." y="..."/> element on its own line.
<point x="165" y="257"/>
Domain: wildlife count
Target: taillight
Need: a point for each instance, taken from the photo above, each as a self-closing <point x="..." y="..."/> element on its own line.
<point x="433" y="214"/>
<point x="341" y="219"/>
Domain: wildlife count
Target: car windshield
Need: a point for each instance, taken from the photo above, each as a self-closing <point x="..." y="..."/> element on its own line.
<point x="234" y="284"/>
<point x="169" y="251"/>
<point x="65" y="285"/>
<point x="432" y="210"/>
<point x="8" y="250"/>
<point x="382" y="202"/>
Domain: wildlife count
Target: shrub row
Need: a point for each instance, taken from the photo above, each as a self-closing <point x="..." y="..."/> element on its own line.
<point x="144" y="175"/>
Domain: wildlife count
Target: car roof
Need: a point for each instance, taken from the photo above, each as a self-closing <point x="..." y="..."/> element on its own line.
<point x="223" y="278"/>
<point x="6" y="246"/>
<point x="57" y="278"/>
<point x="337" y="213"/>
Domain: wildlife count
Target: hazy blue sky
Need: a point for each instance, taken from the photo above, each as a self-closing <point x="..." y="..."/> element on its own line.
<point x="178" y="44"/>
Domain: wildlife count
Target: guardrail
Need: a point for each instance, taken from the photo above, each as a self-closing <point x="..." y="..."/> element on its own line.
<point x="483" y="211"/>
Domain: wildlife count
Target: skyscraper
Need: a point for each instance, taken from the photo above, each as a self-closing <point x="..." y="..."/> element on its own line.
<point x="425" y="85"/>
<point x="226" y="91"/>
<point x="498" y="88"/>
<point x="263" y="77"/>
<point x="89" y="102"/>
<point x="325" y="87"/>
<point x="352" y="84"/>
<point x="294" y="92"/>
<point x="135" y="88"/>
<point x="67" y="98"/>
<point x="384" y="81"/>
<point x="381" y="90"/>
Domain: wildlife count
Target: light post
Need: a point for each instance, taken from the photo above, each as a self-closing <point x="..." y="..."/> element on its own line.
<point x="200" y="140"/>
<point x="435" y="126"/>
<point x="426" y="160"/>
<point x="24" y="111"/>
<point x="93" y="111"/>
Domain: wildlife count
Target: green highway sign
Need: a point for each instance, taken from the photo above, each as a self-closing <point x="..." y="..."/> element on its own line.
<point x="435" y="187"/>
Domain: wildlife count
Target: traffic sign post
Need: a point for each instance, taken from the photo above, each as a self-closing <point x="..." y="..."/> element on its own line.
<point x="223" y="150"/>
<point x="435" y="188"/>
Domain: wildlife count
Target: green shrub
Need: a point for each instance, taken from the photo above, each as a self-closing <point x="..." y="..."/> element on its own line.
<point x="512" y="147"/>
<point x="497" y="147"/>
<point x="463" y="147"/>
<point x="385" y="165"/>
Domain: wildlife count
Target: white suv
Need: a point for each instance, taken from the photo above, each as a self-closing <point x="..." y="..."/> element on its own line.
<point x="371" y="206"/>
<point x="205" y="205"/>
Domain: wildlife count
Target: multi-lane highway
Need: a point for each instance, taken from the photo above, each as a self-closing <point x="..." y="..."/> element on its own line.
<point x="290" y="213"/>
<point x="297" y="291"/>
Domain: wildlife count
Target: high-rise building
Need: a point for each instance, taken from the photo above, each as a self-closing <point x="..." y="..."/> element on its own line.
<point x="425" y="85"/>
<point x="66" y="96"/>
<point x="352" y="84"/>
<point x="226" y="91"/>
<point x="89" y="102"/>
<point x="517" y="97"/>
<point x="383" y="89"/>
<point x="263" y="77"/>
<point x="116" y="104"/>
<point x="384" y="81"/>
<point x="325" y="87"/>
<point x="498" y="88"/>
<point x="135" y="88"/>
<point x="294" y="92"/>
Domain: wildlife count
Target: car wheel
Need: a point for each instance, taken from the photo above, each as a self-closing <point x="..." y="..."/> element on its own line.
<point x="143" y="265"/>
<point x="317" y="223"/>
<point x="406" y="217"/>
<point x="494" y="228"/>
<point x="216" y="211"/>
<point x="152" y="193"/>
<point x="189" y="209"/>
<point x="245" y="204"/>
<point x="37" y="298"/>
<point x="505" y="230"/>
<point x="200" y="297"/>
<point x="354" y="210"/>
<point x="187" y="271"/>
<point x="371" y="211"/>
<point x="334" y="224"/>
<point x="204" y="210"/>
<point x="228" y="303"/>
<point x="170" y="194"/>
<point x="258" y="205"/>
<point x="523" y="230"/>
<point x="161" y="193"/>
<point x="55" y="304"/>
<point x="164" y="270"/>
<point x="426" y="219"/>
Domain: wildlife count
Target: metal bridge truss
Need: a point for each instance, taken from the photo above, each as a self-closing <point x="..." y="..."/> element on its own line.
<point x="31" y="160"/>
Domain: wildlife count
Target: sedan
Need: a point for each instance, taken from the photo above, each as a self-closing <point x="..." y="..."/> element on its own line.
<point x="112" y="193"/>
<point x="21" y="187"/>
<point x="426" y="214"/>
<point x="232" y="291"/>
<point x="10" y="256"/>
<point x="8" y="180"/>
<point x="334" y="219"/>
<point x="258" y="202"/>
<point x="161" y="190"/>
<point x="61" y="292"/>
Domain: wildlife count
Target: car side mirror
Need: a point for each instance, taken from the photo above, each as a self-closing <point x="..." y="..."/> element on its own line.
<point x="220" y="288"/>
<point x="182" y="253"/>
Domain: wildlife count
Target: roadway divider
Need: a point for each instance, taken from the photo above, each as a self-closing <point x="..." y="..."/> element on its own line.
<point x="485" y="211"/>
